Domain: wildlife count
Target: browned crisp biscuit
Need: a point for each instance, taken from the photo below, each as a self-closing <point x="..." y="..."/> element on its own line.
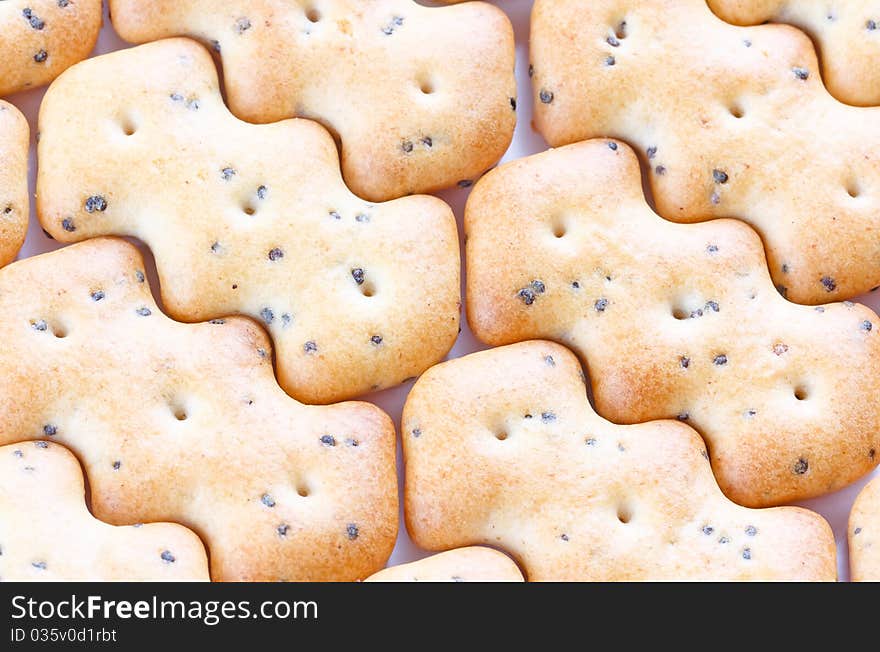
<point x="676" y="321"/>
<point x="846" y="33"/>
<point x="503" y="448"/>
<point x="185" y="422"/>
<point x="249" y="219"/>
<point x="473" y="564"/>
<point x="732" y="122"/>
<point x="39" y="39"/>
<point x="14" y="205"/>
<point x="864" y="534"/>
<point x="421" y="98"/>
<point x="47" y="533"/>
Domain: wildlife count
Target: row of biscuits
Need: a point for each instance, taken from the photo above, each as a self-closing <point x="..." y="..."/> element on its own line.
<point x="514" y="298"/>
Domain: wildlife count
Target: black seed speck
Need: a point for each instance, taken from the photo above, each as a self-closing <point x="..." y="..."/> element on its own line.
<point x="750" y="413"/>
<point x="95" y="203"/>
<point x="41" y="56"/>
<point x="310" y="347"/>
<point x="167" y="557"/>
<point x="612" y="146"/>
<point x="747" y="43"/>
<point x="40" y="565"/>
<point x="713" y="306"/>
<point x="715" y="199"/>
<point x="610" y="60"/>
<point x="531" y="70"/>
<point x="41" y="444"/>
<point x="720" y="360"/>
<point x="276" y="254"/>
<point x="50" y="430"/>
<point x="176" y="97"/>
<point x="800" y="73"/>
<point x="723" y="540"/>
<point x="352" y="442"/>
<point x="652" y="152"/>
<point x="416" y="432"/>
<point x="527" y="295"/>
<point x="428" y="142"/>
<point x="68" y="225"/>
<point x="575" y="285"/>
<point x="872" y="453"/>
<point x="407" y="146"/>
<point x="871" y="25"/>
<point x="867" y="326"/>
<point x="267" y="500"/>
<point x="751" y="530"/>
<point x="117" y="465"/>
<point x="267" y="315"/>
<point x="684" y="361"/>
<point x="829" y="283"/>
<point x="660" y="170"/>
<point x="712" y="249"/>
<point x="548" y="359"/>
<point x="358" y="275"/>
<point x="546" y="96"/>
<point x="720" y="176"/>
<point x="262" y="191"/>
<point x="352" y="531"/>
<point x="376" y="340"/>
<point x="361" y="217"/>
<point x="35" y="21"/>
<point x="217" y="322"/>
<point x="144" y="311"/>
<point x="612" y="41"/>
<point x="227" y="173"/>
<point x="858" y="530"/>
<point x="97" y="295"/>
<point x="513" y="103"/>
<point x="564" y="537"/>
<point x="328" y="440"/>
<point x="18" y="453"/>
<point x="335" y="215"/>
<point x="547" y="417"/>
<point x="242" y="25"/>
<point x="139" y="275"/>
<point x="216" y="45"/>
<point x="40" y="325"/>
<point x="683" y="416"/>
<point x="282" y="529"/>
<point x="800" y="467"/>
<point x="63" y="3"/>
<point x="708" y="530"/>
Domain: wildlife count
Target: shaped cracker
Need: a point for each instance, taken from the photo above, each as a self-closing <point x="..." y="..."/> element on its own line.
<point x="14" y="205"/>
<point x="503" y="448"/>
<point x="39" y="39"/>
<point x="732" y="122"/>
<point x="47" y="533"/>
<point x="185" y="423"/>
<point x="420" y="98"/>
<point x="847" y="35"/>
<point x="474" y="564"/>
<point x="676" y="321"/>
<point x="864" y="534"/>
<point x="249" y="219"/>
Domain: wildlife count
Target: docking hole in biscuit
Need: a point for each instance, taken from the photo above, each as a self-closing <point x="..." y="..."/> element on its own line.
<point x="638" y="502"/>
<point x="250" y="219"/>
<point x="677" y="321"/>
<point x="347" y="65"/>
<point x="699" y="95"/>
<point x="48" y="534"/>
<point x="186" y="423"/>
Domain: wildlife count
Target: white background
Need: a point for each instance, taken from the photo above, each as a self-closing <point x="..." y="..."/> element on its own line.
<point x="834" y="507"/>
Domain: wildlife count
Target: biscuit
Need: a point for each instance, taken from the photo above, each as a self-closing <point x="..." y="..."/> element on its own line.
<point x="42" y="38"/>
<point x="247" y="219"/>
<point x="864" y="534"/>
<point x="47" y="533"/>
<point x="475" y="564"/>
<point x="847" y="35"/>
<point x="731" y="121"/>
<point x="14" y="204"/>
<point x="502" y="448"/>
<point x="675" y="321"/>
<point x="420" y="98"/>
<point x="185" y="422"/>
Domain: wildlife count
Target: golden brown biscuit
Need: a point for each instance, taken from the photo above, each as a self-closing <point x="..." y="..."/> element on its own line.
<point x="421" y="98"/>
<point x="251" y="220"/>
<point x="846" y="33"/>
<point x="864" y="534"/>
<point x="14" y="205"/>
<point x="474" y="564"/>
<point x="732" y="121"/>
<point x="503" y="448"/>
<point x="675" y="320"/>
<point x="47" y="533"/>
<point x="39" y="39"/>
<point x="185" y="422"/>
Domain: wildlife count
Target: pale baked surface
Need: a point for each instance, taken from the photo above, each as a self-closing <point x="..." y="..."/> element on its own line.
<point x="14" y="205"/>
<point x="864" y="535"/>
<point x="249" y="219"/>
<point x="847" y="35"/>
<point x="39" y="39"/>
<point x="675" y="321"/>
<point x="421" y="97"/>
<point x="695" y="95"/>
<point x="473" y="564"/>
<point x="47" y="533"/>
<point x="503" y="448"/>
<point x="185" y="423"/>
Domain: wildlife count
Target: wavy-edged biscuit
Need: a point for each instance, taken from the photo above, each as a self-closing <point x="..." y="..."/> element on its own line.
<point x="39" y="39"/>
<point x="503" y="448"/>
<point x="249" y="219"/>
<point x="47" y="532"/>
<point x="472" y="564"/>
<point x="864" y="534"/>
<point x="421" y="98"/>
<point x="14" y="204"/>
<point x="732" y="122"/>
<point x="846" y="33"/>
<point x="675" y="321"/>
<point x="185" y="422"/>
